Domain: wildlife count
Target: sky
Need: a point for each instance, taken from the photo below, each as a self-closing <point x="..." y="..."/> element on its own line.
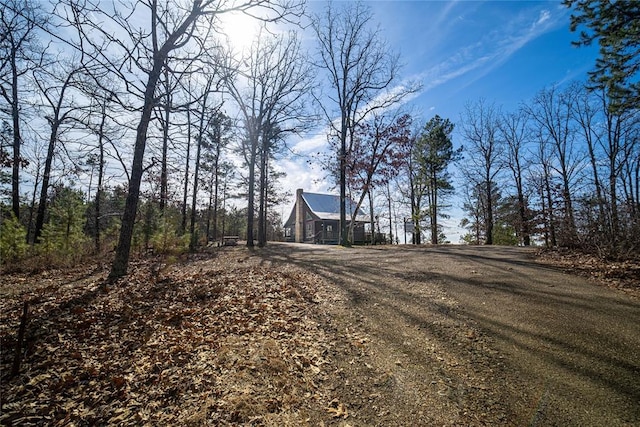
<point x="461" y="51"/>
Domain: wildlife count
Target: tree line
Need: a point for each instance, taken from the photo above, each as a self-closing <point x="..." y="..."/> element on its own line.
<point x="132" y="126"/>
<point x="135" y="99"/>
<point x="562" y="169"/>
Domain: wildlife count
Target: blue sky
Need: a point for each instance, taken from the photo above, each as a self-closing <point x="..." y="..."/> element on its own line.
<point x="502" y="51"/>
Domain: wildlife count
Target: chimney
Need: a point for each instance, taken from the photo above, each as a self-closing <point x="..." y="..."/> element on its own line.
<point x="299" y="230"/>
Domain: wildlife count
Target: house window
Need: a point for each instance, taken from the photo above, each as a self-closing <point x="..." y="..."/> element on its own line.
<point x="329" y="228"/>
<point x="310" y="231"/>
<point x="287" y="232"/>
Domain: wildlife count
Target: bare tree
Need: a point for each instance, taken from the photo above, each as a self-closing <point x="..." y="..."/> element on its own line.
<point x="361" y="70"/>
<point x="480" y="131"/>
<point x="515" y="132"/>
<point x="111" y="34"/>
<point x="544" y="181"/>
<point x="630" y="176"/>
<point x="101" y="131"/>
<point x="55" y="89"/>
<point x="207" y="114"/>
<point x="417" y="187"/>
<point x="185" y="192"/>
<point x="270" y="91"/>
<point x="213" y="163"/>
<point x="165" y="123"/>
<point x="19" y="52"/>
<point x="586" y="113"/>
<point x="474" y="208"/>
<point x="551" y="111"/>
<point x="617" y="123"/>
<point x="609" y="136"/>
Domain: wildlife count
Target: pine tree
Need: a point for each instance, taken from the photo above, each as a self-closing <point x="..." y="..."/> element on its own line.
<point x="614" y="25"/>
<point x="433" y="153"/>
<point x="63" y="235"/>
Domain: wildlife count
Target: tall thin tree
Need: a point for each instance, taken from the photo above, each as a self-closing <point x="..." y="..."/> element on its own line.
<point x="361" y="70"/>
<point x="480" y="131"/>
<point x="515" y="133"/>
<point x="19" y="52"/>
<point x="433" y="153"/>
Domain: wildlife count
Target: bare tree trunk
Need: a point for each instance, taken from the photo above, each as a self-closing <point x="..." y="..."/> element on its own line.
<point x="613" y="151"/>
<point x="224" y="208"/>
<point x="524" y="218"/>
<point x="185" y="193"/>
<point x="164" y="179"/>
<point x="98" y="199"/>
<point x="342" y="156"/>
<point x="202" y="126"/>
<point x="433" y="207"/>
<point x="543" y="206"/>
<point x="121" y="261"/>
<point x="17" y="140"/>
<point x="209" y="208"/>
<point x="391" y="234"/>
<point x="215" y="192"/>
<point x="251" y="195"/>
<point x="46" y="175"/>
<point x="372" y="219"/>
<point x="550" y="216"/>
<point x="19" y="21"/>
<point x="488" y="239"/>
<point x="192" y="226"/>
<point x="414" y="201"/>
<point x="415" y="216"/>
<point x="32" y="205"/>
<point x="262" y="212"/>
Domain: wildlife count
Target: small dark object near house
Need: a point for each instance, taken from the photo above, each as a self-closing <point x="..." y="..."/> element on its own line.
<point x="230" y="240"/>
<point x="315" y="218"/>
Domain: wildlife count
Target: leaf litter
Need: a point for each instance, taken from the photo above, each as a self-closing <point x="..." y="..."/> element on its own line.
<point x="223" y="339"/>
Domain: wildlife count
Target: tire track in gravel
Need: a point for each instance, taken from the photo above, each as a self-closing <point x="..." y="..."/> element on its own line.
<point x="478" y="336"/>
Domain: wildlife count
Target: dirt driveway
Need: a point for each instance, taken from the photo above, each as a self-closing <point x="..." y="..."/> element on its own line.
<point x="458" y="335"/>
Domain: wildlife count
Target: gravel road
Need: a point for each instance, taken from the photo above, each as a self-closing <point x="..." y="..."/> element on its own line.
<point x="461" y="335"/>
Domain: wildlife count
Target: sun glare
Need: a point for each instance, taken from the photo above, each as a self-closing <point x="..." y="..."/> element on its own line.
<point x="239" y="30"/>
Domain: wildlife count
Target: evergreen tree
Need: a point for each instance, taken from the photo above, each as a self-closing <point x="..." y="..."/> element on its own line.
<point x="63" y="235"/>
<point x="614" y="25"/>
<point x="13" y="239"/>
<point x="433" y="153"/>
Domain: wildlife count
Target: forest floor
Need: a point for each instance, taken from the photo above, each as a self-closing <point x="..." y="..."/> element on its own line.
<point x="294" y="335"/>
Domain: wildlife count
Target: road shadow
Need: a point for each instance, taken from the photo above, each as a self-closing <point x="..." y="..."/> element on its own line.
<point x="577" y="338"/>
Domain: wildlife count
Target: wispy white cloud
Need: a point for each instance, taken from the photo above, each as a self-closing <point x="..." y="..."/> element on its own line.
<point x="310" y="144"/>
<point x="493" y="50"/>
<point x="545" y="15"/>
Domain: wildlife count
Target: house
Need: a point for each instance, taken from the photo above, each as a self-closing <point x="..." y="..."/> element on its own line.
<point x="315" y="218"/>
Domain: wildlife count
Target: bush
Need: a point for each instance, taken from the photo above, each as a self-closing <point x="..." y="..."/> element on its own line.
<point x="167" y="240"/>
<point x="63" y="241"/>
<point x="13" y="240"/>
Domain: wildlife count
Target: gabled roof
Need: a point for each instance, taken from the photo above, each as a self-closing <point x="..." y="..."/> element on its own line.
<point x="327" y="206"/>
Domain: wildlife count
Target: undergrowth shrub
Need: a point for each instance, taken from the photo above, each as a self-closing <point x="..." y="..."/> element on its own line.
<point x="63" y="241"/>
<point x="13" y="240"/>
<point x="167" y="240"/>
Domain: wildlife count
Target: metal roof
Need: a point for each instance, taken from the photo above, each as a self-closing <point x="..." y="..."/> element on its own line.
<point x="327" y="206"/>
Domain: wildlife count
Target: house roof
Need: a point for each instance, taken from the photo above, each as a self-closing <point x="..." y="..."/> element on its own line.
<point x="327" y="206"/>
